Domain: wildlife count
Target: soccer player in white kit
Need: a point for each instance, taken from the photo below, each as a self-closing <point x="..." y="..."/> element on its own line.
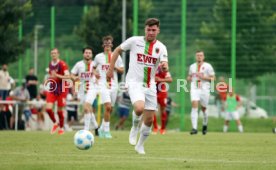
<point x="200" y="74"/>
<point x="145" y="54"/>
<point x="84" y="76"/>
<point x="108" y="89"/>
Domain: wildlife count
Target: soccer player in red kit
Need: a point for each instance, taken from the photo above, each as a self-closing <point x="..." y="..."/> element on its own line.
<point x="58" y="70"/>
<point x="162" y="77"/>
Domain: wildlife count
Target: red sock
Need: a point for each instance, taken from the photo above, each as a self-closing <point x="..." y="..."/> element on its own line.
<point x="61" y="119"/>
<point x="51" y="115"/>
<point x="155" y="125"/>
<point x="163" y="120"/>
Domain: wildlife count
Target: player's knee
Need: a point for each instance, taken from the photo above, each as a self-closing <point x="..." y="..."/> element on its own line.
<point x="139" y="110"/>
<point x="87" y="108"/>
<point x="108" y="107"/>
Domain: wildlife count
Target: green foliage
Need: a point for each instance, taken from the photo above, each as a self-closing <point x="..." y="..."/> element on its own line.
<point x="256" y="40"/>
<point x="11" y="13"/>
<point x="105" y="18"/>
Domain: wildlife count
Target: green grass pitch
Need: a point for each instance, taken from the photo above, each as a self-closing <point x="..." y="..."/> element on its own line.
<point x="175" y="150"/>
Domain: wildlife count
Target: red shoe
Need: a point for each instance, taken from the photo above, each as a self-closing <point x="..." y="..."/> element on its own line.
<point x="60" y="131"/>
<point x="54" y="128"/>
<point x="154" y="131"/>
<point x="162" y="131"/>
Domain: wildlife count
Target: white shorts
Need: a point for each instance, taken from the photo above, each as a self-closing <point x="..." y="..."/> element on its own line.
<point x="148" y="95"/>
<point x="232" y="115"/>
<point x="113" y="96"/>
<point x="200" y="95"/>
<point x="88" y="97"/>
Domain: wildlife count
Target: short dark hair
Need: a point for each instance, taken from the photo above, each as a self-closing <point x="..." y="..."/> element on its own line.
<point x="87" y="48"/>
<point x="108" y="37"/>
<point x="152" y="21"/>
<point x="199" y="51"/>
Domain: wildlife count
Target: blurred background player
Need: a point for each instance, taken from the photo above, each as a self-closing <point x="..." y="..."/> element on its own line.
<point x="58" y="70"/>
<point x="200" y="75"/>
<point x="124" y="105"/>
<point x="31" y="83"/>
<point x="162" y="77"/>
<point x="222" y="89"/>
<point x="145" y="54"/>
<point x="108" y="89"/>
<point x="169" y="106"/>
<point x="71" y="109"/>
<point x="232" y="104"/>
<point x="84" y="76"/>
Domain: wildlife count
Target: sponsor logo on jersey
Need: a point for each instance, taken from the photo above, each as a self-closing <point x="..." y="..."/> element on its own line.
<point x="86" y="75"/>
<point x="105" y="67"/>
<point x="147" y="59"/>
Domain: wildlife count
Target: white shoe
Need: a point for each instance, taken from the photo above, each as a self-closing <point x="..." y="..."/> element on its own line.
<point x="133" y="135"/>
<point x="140" y="150"/>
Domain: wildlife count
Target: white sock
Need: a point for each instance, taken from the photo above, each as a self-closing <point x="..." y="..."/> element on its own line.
<point x="205" y="118"/>
<point x="87" y="119"/>
<point x="240" y="128"/>
<point x="135" y="119"/>
<point x="106" y="127"/>
<point x="94" y="121"/>
<point x="101" y="127"/>
<point x="194" y="117"/>
<point x="144" y="133"/>
<point x="225" y="128"/>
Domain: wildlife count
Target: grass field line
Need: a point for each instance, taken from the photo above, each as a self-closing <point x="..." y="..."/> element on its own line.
<point x="144" y="157"/>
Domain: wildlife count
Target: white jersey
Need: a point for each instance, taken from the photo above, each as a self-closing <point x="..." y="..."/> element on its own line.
<point x="85" y="73"/>
<point x="101" y="62"/>
<point x="206" y="69"/>
<point x="144" y="59"/>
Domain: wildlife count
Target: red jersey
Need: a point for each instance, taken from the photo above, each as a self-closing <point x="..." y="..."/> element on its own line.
<point x="60" y="67"/>
<point x="222" y="90"/>
<point x="161" y="86"/>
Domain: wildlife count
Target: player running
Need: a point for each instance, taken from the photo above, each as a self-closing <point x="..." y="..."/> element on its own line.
<point x="145" y="54"/>
<point x="58" y="71"/>
<point x="108" y="89"/>
<point x="200" y="74"/>
<point x="83" y="75"/>
<point x="162" y="77"/>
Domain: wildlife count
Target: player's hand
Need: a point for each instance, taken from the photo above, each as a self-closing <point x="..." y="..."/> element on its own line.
<point x="157" y="79"/>
<point x="200" y="75"/>
<point x="164" y="66"/>
<point x="53" y="74"/>
<point x="109" y="74"/>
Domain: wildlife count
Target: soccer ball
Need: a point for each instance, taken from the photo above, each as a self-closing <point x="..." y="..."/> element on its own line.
<point x="83" y="139"/>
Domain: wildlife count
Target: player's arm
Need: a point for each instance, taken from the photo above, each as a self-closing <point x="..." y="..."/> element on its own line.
<point x="207" y="78"/>
<point x="189" y="77"/>
<point x="65" y="76"/>
<point x="120" y="70"/>
<point x="239" y="101"/>
<point x="74" y="77"/>
<point x="114" y="58"/>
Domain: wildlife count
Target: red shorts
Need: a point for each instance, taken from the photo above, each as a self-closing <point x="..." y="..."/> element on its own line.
<point x="162" y="100"/>
<point x="61" y="99"/>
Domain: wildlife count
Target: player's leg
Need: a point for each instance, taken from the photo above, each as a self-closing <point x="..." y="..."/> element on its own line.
<point x="50" y="99"/>
<point x="194" y="112"/>
<point x="237" y="119"/>
<point x="104" y="130"/>
<point x="137" y="98"/>
<point x="61" y="102"/>
<point x="89" y="116"/>
<point x="164" y="117"/>
<point x="150" y="109"/>
<point x="155" y="124"/>
<point x="226" y="121"/>
<point x="204" y="99"/>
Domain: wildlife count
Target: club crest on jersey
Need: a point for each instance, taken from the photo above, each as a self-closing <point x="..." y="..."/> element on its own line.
<point x="147" y="59"/>
<point x="157" y="50"/>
